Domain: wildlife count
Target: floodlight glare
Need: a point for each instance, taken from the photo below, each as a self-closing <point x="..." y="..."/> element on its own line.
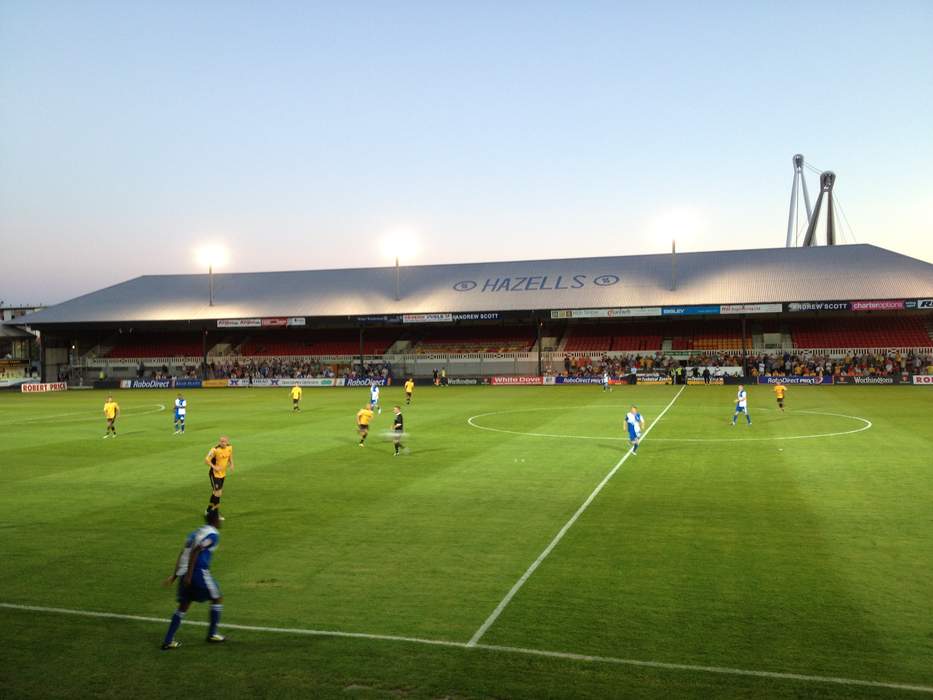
<point x="212" y="255"/>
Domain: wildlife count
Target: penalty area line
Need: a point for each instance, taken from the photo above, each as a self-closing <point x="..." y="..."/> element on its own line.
<point x="560" y="655"/>
<point x="494" y="615"/>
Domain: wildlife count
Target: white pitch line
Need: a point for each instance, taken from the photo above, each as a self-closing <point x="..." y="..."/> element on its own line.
<point x="87" y="415"/>
<point x="471" y="421"/>
<point x="724" y="670"/>
<point x="562" y="655"/>
<point x="560" y="535"/>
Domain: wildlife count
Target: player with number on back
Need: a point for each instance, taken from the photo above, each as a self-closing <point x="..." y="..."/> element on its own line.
<point x="195" y="583"/>
<point x="374" y="398"/>
<point x="181" y="409"/>
<point x="741" y="405"/>
<point x="296" y="399"/>
<point x="636" y="426"/>
<point x="779" y="391"/>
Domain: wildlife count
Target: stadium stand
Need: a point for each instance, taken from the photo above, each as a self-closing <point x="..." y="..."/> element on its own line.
<point x="139" y="346"/>
<point x="878" y="332"/>
<point x="376" y="341"/>
<point x="488" y="339"/>
<point x="638" y="337"/>
<point x="707" y="336"/>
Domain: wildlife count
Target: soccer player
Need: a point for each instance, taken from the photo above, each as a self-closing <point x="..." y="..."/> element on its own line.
<point x="363" y="416"/>
<point x="409" y="388"/>
<point x="111" y="413"/>
<point x="399" y="429"/>
<point x="606" y="386"/>
<point x="181" y="408"/>
<point x="219" y="459"/>
<point x="741" y="405"/>
<point x="779" y="391"/>
<point x="195" y="583"/>
<point x="296" y="399"/>
<point x="636" y="426"/>
<point x="374" y="397"/>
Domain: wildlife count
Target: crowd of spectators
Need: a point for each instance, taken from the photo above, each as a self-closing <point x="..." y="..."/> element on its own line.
<point x="862" y="365"/>
<point x="653" y="363"/>
<point x="277" y="368"/>
<point x="267" y="369"/>
<point x="765" y="364"/>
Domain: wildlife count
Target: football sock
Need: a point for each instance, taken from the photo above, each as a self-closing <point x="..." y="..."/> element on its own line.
<point x="216" y="609"/>
<point x="173" y="626"/>
<point x="635" y="447"/>
<point x="215" y="502"/>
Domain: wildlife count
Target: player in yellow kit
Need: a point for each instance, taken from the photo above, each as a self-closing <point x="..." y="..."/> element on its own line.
<point x="409" y="388"/>
<point x="296" y="398"/>
<point x="779" y="391"/>
<point x="219" y="459"/>
<point x="363" y="417"/>
<point x="111" y="413"/>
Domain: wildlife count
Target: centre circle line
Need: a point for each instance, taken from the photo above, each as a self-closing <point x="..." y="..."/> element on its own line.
<point x="866" y="424"/>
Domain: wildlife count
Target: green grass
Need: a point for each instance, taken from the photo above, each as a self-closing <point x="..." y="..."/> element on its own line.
<point x="715" y="546"/>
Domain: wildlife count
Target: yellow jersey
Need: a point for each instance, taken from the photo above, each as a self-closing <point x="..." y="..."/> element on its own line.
<point x="110" y="409"/>
<point x="363" y="416"/>
<point x="409" y="386"/>
<point x="296" y="393"/>
<point x="220" y="459"/>
<point x="779" y="390"/>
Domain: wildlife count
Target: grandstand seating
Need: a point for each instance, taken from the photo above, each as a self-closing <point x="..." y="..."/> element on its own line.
<point x="376" y="341"/>
<point x="638" y="337"/>
<point x="861" y="333"/>
<point x="136" y="345"/>
<point x="706" y="336"/>
<point x="643" y="337"/>
<point x="485" y="339"/>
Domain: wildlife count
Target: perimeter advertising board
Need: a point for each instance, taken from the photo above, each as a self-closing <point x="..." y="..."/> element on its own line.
<point x="653" y="379"/>
<point x="923" y="379"/>
<point x="365" y="382"/>
<point x="815" y="381"/>
<point x="844" y="379"/>
<point x="516" y="381"/>
<point x="43" y="387"/>
<point x="578" y="380"/>
<point x="146" y="384"/>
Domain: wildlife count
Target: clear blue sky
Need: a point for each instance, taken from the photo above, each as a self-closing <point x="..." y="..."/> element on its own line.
<point x="301" y="134"/>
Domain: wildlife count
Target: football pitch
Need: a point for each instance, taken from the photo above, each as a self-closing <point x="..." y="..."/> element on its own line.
<point x="515" y="551"/>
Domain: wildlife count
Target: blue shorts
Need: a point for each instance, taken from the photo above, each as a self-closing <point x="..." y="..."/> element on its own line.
<point x="633" y="436"/>
<point x="740" y="409"/>
<point x="180" y="417"/>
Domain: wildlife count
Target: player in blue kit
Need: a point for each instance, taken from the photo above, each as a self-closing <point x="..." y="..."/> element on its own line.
<point x="374" y="398"/>
<point x="741" y="405"/>
<point x="636" y="426"/>
<point x="606" y="385"/>
<point x="195" y="583"/>
<point x="181" y="409"/>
